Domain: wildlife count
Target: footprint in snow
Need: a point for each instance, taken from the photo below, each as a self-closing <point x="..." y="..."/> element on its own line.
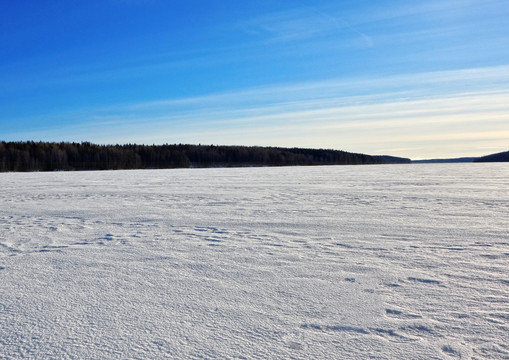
<point x="425" y="281"/>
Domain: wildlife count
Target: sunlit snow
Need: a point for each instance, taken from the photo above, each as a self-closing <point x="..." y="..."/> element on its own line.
<point x="339" y="262"/>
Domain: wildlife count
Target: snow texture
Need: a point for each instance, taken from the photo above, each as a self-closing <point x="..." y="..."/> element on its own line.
<point x="343" y="262"/>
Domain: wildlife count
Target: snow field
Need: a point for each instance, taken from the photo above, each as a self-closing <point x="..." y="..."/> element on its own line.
<point x="346" y="262"/>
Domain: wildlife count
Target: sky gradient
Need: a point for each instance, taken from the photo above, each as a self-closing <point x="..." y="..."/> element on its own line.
<point x="418" y="79"/>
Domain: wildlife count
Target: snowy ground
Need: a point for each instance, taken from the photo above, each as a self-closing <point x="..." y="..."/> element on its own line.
<point x="343" y="262"/>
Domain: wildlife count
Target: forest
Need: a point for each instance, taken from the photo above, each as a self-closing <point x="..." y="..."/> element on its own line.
<point x="498" y="157"/>
<point x="52" y="156"/>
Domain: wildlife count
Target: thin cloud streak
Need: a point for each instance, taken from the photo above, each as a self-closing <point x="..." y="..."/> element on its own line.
<point x="314" y="95"/>
<point x="301" y="23"/>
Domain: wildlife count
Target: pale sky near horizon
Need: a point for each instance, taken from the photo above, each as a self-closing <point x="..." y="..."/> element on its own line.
<point x="418" y="79"/>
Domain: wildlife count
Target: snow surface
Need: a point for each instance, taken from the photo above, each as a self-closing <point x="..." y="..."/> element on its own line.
<point x="343" y="262"/>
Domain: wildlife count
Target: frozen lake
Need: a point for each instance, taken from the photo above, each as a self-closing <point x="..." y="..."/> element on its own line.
<point x="343" y="262"/>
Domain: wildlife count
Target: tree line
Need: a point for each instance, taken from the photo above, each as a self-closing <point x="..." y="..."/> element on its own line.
<point x="50" y="156"/>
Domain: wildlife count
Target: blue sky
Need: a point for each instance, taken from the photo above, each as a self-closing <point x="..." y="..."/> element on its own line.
<point x="417" y="79"/>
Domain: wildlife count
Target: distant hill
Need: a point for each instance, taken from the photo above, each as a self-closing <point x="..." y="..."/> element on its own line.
<point x="44" y="156"/>
<point x="386" y="159"/>
<point x="454" y="160"/>
<point x="499" y="157"/>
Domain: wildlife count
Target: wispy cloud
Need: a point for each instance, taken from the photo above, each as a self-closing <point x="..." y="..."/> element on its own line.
<point x="421" y="115"/>
<point x="312" y="22"/>
<point x="289" y="25"/>
<point x="328" y="30"/>
<point x="302" y="24"/>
